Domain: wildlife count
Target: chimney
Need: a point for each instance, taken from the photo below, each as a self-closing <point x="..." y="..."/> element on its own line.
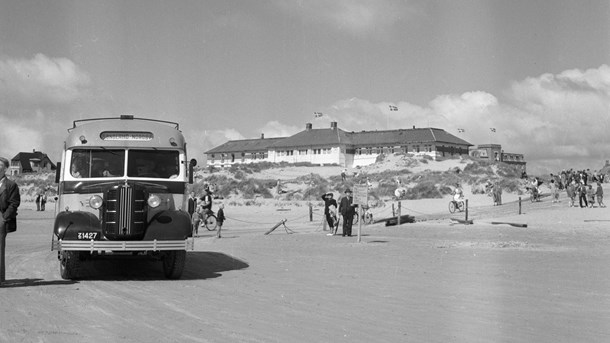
<point x="308" y="126"/>
<point x="262" y="136"/>
<point x="333" y="125"/>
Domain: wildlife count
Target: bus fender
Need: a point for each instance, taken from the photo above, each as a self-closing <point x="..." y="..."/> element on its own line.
<point x="169" y="225"/>
<point x="69" y="224"/>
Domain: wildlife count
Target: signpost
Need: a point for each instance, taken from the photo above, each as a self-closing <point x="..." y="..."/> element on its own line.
<point x="361" y="198"/>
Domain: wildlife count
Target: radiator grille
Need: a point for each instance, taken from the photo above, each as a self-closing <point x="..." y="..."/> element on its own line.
<point x="125" y="212"/>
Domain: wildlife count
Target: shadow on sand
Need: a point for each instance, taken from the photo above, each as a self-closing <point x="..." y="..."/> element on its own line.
<point x="199" y="265"/>
<point x="34" y="282"/>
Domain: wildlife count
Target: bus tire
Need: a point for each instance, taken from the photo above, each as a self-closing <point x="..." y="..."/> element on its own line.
<point x="173" y="264"/>
<point x="69" y="262"/>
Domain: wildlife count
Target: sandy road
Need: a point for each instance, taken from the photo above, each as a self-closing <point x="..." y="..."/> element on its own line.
<point x="432" y="282"/>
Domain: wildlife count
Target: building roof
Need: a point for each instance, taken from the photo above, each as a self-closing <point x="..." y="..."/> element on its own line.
<point x="336" y="137"/>
<point x="315" y="137"/>
<point x="24" y="159"/>
<point x="245" y="145"/>
<point x="406" y="136"/>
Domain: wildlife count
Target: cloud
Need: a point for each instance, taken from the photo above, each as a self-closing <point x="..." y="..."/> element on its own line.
<point x="277" y="129"/>
<point x="41" y="80"/>
<point x="558" y="121"/>
<point x="18" y="137"/>
<point x="356" y="17"/>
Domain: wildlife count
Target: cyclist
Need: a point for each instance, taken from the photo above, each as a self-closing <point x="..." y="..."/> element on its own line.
<point x="458" y="193"/>
<point x="206" y="201"/>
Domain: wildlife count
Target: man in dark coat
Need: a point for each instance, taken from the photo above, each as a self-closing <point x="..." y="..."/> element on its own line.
<point x="192" y="204"/>
<point x="9" y="202"/>
<point x="347" y="210"/>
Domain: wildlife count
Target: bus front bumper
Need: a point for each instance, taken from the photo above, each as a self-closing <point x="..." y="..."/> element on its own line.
<point x="99" y="246"/>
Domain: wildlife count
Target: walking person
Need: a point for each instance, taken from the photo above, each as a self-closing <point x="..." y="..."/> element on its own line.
<point x="43" y="201"/>
<point x="9" y="202"/>
<point x="599" y="192"/>
<point x="220" y="218"/>
<point x="347" y="210"/>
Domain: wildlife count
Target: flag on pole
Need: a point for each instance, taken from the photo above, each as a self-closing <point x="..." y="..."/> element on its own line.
<point x="317" y="114"/>
<point x="460" y="130"/>
<point x="393" y="108"/>
<point x="493" y="129"/>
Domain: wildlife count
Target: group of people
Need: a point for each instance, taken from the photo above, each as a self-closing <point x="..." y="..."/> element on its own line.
<point x="346" y="208"/>
<point x="200" y="208"/>
<point x="41" y="201"/>
<point x="584" y="185"/>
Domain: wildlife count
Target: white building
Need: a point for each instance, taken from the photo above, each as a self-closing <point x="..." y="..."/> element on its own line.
<point x="335" y="146"/>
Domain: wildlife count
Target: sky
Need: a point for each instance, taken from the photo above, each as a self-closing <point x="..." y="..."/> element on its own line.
<point x="536" y="71"/>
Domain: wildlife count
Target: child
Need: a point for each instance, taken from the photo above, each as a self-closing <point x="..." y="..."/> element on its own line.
<point x="600" y="194"/>
<point x="220" y="218"/>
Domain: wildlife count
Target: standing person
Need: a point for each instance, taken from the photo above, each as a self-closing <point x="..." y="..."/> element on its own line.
<point x="599" y="192"/>
<point x="38" y="196"/>
<point x="329" y="214"/>
<point x="347" y="210"/>
<point x="192" y="204"/>
<point x="554" y="191"/>
<point x="220" y="218"/>
<point x="497" y="190"/>
<point x="344" y="174"/>
<point x="571" y="191"/>
<point x="582" y="194"/>
<point x="9" y="202"/>
<point x="43" y="201"/>
<point x="591" y="196"/>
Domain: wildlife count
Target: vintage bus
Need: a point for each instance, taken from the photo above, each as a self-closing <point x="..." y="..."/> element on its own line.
<point x="122" y="191"/>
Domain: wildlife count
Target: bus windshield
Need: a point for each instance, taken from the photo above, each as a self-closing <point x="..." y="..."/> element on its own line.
<point x="91" y="163"/>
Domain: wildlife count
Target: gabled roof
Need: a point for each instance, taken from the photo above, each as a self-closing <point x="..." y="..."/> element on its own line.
<point x="245" y="145"/>
<point x="24" y="159"/>
<point x="337" y="137"/>
<point x="315" y="137"/>
<point x="405" y="136"/>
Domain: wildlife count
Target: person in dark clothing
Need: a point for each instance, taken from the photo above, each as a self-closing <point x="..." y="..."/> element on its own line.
<point x="582" y="195"/>
<point x="192" y="204"/>
<point x="329" y="211"/>
<point x="9" y="202"/>
<point x="347" y="209"/>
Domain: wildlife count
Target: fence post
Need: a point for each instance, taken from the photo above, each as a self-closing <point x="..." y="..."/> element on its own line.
<point x="466" y="209"/>
<point x="398" y="217"/>
<point x="393" y="211"/>
<point x="310" y="212"/>
<point x="519" y="205"/>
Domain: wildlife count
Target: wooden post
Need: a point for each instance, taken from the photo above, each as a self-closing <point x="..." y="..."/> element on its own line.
<point x="519" y="205"/>
<point x="466" y="209"/>
<point x="393" y="211"/>
<point x="310" y="212"/>
<point x="360" y="212"/>
<point x="398" y="217"/>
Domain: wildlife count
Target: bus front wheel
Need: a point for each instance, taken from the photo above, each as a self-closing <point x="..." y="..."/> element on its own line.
<point x="173" y="264"/>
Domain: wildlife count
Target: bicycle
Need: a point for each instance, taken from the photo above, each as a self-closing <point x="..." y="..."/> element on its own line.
<point x="209" y="222"/>
<point x="367" y="217"/>
<point x="456" y="205"/>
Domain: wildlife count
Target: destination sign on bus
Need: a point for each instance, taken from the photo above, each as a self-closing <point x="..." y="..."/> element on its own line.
<point x="126" y="136"/>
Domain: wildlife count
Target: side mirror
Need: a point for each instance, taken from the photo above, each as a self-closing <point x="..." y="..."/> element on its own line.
<point x="57" y="172"/>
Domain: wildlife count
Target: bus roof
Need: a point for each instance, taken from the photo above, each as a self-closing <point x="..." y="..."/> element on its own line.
<point x="124" y="131"/>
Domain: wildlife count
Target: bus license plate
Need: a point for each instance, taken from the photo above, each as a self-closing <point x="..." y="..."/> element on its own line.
<point x="87" y="235"/>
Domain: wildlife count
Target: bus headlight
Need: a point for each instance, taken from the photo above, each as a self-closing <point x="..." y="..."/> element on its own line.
<point x="96" y="201"/>
<point x="154" y="201"/>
